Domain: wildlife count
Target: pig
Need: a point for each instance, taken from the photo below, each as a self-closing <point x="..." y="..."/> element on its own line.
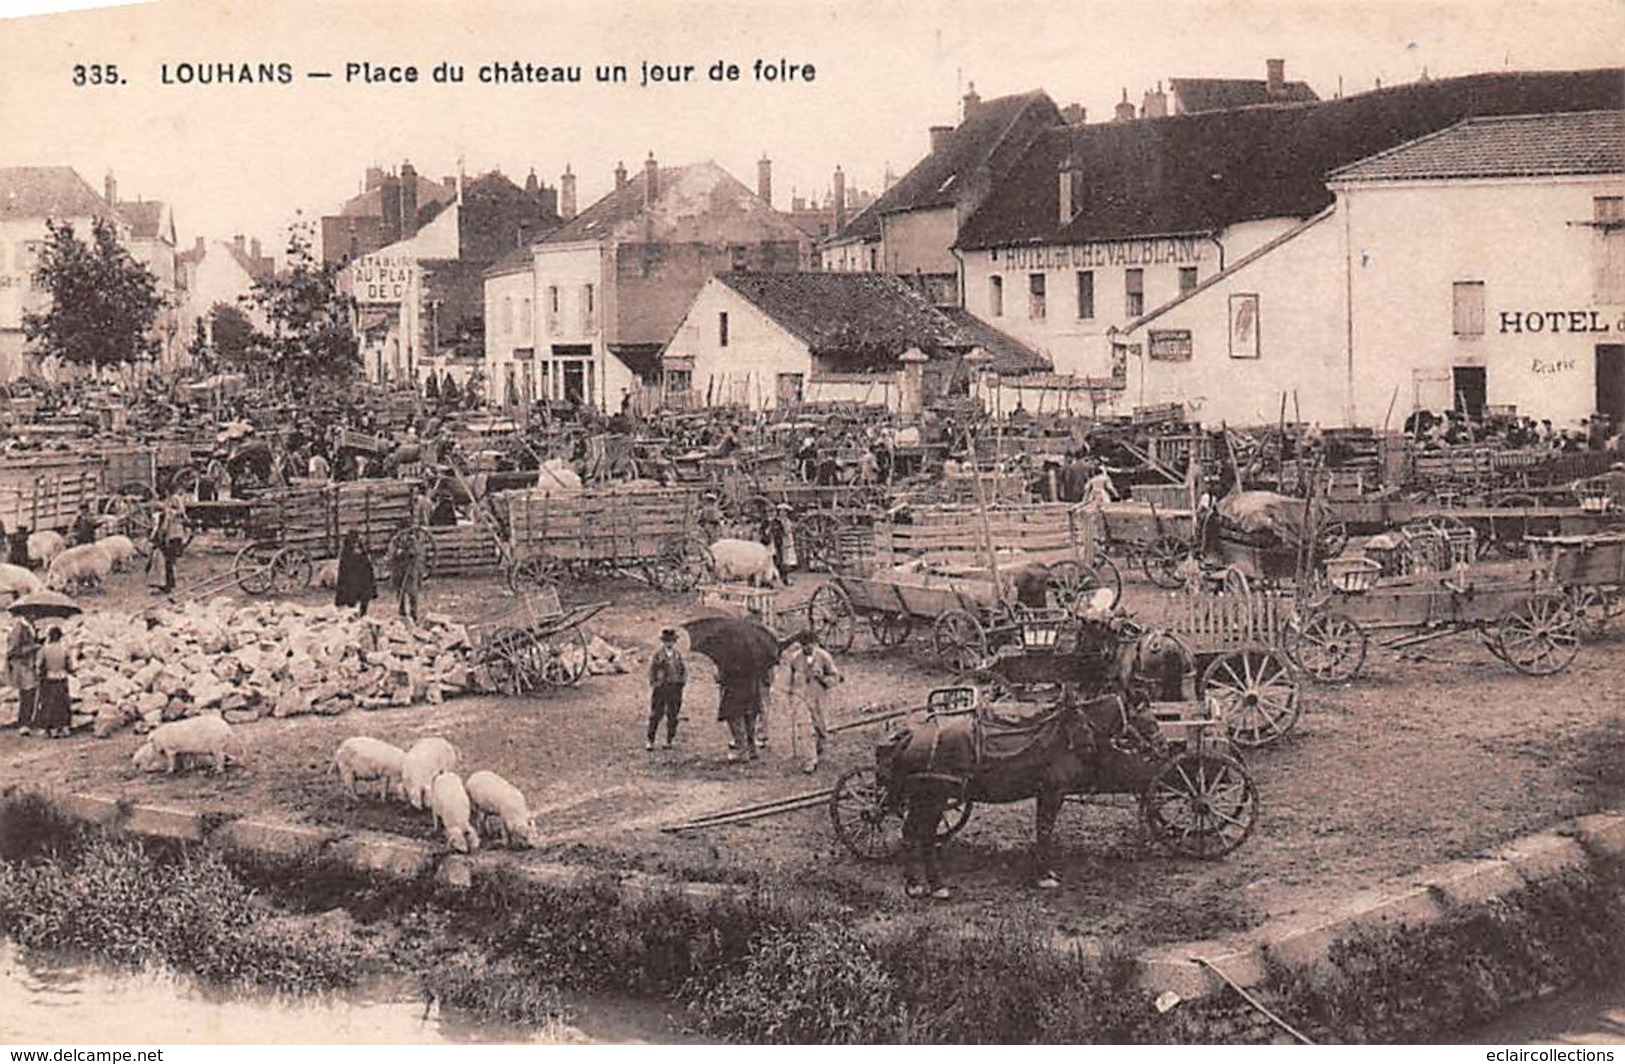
<point x="17" y="580"/>
<point x="494" y="796"/>
<point x="327" y="574"/>
<point x="43" y="546"/>
<point x="427" y="757"/>
<point x="120" y="550"/>
<point x="448" y="801"/>
<point x="741" y="559"/>
<point x="362" y="757"/>
<point x="86" y="565"/>
<point x="208" y="735"/>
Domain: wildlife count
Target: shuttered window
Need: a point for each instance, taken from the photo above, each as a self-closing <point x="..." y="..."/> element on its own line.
<point x="1467" y="308"/>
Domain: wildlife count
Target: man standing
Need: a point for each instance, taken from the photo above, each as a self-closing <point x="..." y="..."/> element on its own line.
<point x="22" y="672"/>
<point x="168" y="537"/>
<point x="406" y="564"/>
<point x="812" y="675"/>
<point x="667" y="675"/>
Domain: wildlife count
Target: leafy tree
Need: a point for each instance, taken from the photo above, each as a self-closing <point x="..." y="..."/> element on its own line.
<point x="103" y="302"/>
<point x="233" y="334"/>
<point x="310" y="318"/>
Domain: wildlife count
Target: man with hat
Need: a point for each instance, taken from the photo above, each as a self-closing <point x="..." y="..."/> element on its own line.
<point x="812" y="674"/>
<point x="667" y="675"/>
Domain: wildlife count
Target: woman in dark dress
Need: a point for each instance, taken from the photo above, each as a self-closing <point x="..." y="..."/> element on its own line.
<point x="738" y="707"/>
<point x="52" y="713"/>
<point x="356" y="585"/>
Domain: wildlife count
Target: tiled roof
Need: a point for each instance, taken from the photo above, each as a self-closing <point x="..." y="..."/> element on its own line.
<point x="1224" y="94"/>
<point x="1203" y="172"/>
<point x="370" y="203"/>
<point x="47" y="192"/>
<point x="518" y="260"/>
<point x="943" y="177"/>
<point x="832" y="313"/>
<point x="146" y="217"/>
<point x="620" y="205"/>
<point x="1589" y="142"/>
<point x="1010" y="356"/>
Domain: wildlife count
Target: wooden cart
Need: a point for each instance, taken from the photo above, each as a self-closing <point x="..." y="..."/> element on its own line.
<point x="1591" y="571"/>
<point x="291" y="530"/>
<point x="532" y="644"/>
<point x="652" y="533"/>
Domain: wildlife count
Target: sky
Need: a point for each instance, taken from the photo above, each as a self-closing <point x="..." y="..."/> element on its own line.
<point x="245" y="158"/>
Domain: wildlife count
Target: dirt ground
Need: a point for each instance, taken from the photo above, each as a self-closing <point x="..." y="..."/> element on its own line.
<point x="1414" y="763"/>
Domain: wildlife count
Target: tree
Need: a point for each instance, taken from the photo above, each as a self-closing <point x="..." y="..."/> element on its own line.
<point x="310" y="318"/>
<point x="103" y="302"/>
<point x="233" y="334"/>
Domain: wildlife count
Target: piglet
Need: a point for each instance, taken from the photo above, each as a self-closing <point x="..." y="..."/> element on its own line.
<point x="448" y="800"/>
<point x="494" y="796"/>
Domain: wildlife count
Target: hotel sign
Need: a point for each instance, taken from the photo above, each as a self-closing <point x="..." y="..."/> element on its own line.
<point x="381" y="278"/>
<point x="1156" y="251"/>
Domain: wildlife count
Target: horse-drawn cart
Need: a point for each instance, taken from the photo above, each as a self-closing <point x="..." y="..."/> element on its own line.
<point x="291" y="530"/>
<point x="533" y="644"/>
<point x="648" y="532"/>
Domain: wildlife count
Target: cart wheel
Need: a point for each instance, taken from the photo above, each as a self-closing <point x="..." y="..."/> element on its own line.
<point x="538" y="572"/>
<point x="1200" y="804"/>
<point x="831" y="617"/>
<point x="136" y="490"/>
<point x="254" y="567"/>
<point x="423" y="542"/>
<point x="563" y="660"/>
<point x="513" y="659"/>
<point x="1233" y="581"/>
<point x="1540" y="635"/>
<point x="817" y="539"/>
<point x="891" y="629"/>
<point x="1255" y="693"/>
<point x="863" y="822"/>
<point x="134" y="517"/>
<point x="954" y="818"/>
<point x="291" y="570"/>
<point x="1594" y="606"/>
<point x="1328" y="646"/>
<point x="1072" y="584"/>
<point x="1331" y="537"/>
<point x="959" y="640"/>
<point x="682" y="567"/>
<point x="1161" y="562"/>
<point x="183" y="481"/>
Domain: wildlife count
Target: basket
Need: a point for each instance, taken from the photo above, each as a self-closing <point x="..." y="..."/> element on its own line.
<point x="1353" y="575"/>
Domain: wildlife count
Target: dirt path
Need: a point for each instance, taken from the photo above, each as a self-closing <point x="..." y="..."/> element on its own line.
<point x="1417" y="762"/>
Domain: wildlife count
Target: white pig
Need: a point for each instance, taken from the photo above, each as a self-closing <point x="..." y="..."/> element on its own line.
<point x="17" y="580"/>
<point x="495" y="797"/>
<point x="448" y="800"/>
<point x="86" y="565"/>
<point x="427" y="757"/>
<point x="120" y="550"/>
<point x="194" y="735"/>
<point x="362" y="757"/>
<point x="43" y="546"/>
<point x="742" y="559"/>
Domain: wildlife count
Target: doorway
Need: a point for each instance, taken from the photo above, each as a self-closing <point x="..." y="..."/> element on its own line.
<point x="1611" y="382"/>
<point x="575" y="383"/>
<point x="1469" y="385"/>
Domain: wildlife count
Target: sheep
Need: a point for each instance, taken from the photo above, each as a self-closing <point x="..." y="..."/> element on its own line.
<point x="448" y="801"/>
<point x="362" y="757"/>
<point x="427" y="757"/>
<point x="87" y="565"/>
<point x="44" y="546"/>
<point x="494" y="796"/>
<point x="742" y="559"/>
<point x="209" y="735"/>
<point x="17" y="580"/>
<point x="120" y="550"/>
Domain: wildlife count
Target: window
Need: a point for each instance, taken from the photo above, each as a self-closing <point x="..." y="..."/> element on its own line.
<point x="1086" y="294"/>
<point x="1467" y="308"/>
<point x="587" y="306"/>
<point x="1187" y="279"/>
<point x="1608" y="209"/>
<point x="736" y="257"/>
<point x="553" y="299"/>
<point x="1134" y="290"/>
<point x="1035" y="296"/>
<point x="788" y="388"/>
<point x="722" y="328"/>
<point x="679" y="380"/>
<point x="995" y="296"/>
<point x="507" y="315"/>
<point x="1608" y="258"/>
<point x="525" y="319"/>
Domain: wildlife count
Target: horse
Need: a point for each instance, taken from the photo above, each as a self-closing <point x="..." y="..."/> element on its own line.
<point x="986" y="759"/>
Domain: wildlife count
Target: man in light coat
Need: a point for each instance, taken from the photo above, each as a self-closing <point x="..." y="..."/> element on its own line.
<point x="812" y="675"/>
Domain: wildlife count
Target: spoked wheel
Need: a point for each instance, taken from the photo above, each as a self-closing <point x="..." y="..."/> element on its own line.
<point x="1072" y="584"/>
<point x="1330" y="647"/>
<point x="891" y="629"/>
<point x="863" y="821"/>
<point x="1331" y="536"/>
<point x="1538" y="636"/>
<point x="959" y="640"/>
<point x="1255" y="693"/>
<point x="563" y="657"/>
<point x="1200" y="805"/>
<point x="513" y="658"/>
<point x="1233" y="581"/>
<point x="183" y="481"/>
<point x="291" y="570"/>
<point x="1161" y="562"/>
<point x="422" y="542"/>
<point x="831" y="617"/>
<point x="254" y="567"/>
<point x="1594" y="606"/>
<point x="134" y="517"/>
<point x="682" y="567"/>
<point x="532" y="573"/>
<point x="817" y="540"/>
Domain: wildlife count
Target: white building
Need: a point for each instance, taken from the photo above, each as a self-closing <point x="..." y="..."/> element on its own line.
<point x="219" y="272"/>
<point x="1481" y="265"/>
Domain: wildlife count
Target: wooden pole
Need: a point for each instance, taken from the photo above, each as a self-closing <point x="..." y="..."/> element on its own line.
<point x="1392" y="399"/>
<point x="981" y="510"/>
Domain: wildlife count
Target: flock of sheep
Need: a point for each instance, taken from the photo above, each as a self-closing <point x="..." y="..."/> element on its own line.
<point x="67" y="568"/>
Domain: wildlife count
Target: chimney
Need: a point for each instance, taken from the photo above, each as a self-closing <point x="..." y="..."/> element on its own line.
<point x="449" y="183"/>
<point x="409" y="201"/>
<point x="1155" y="104"/>
<point x="531" y="184"/>
<point x="375" y="178"/>
<point x="1068" y="182"/>
<point x="939" y="137"/>
<point x="389" y="197"/>
<point x="764" y="179"/>
<point x="970" y="101"/>
<point x="110" y="189"/>
<point x="1124" y="111"/>
<point x="620" y="176"/>
<point x="839" y="181"/>
<point x="1277" y="77"/>
<point x="1074" y="114"/>
<point x="651" y="180"/>
<point x="197" y="247"/>
<point x="237" y="245"/>
<point x="254" y="249"/>
<point x="567" y="194"/>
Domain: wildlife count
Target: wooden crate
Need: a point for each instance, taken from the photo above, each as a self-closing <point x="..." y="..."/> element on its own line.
<point x="1215" y="623"/>
<point x="464" y="550"/>
<point x="605" y="525"/>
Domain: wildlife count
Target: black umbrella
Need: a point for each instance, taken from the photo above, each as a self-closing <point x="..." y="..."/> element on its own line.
<point x="42" y="604"/>
<point x="739" y="646"/>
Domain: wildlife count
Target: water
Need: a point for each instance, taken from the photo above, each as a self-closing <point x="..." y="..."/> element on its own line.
<point x="45" y="995"/>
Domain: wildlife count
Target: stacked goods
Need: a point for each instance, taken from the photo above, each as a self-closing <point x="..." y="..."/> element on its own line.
<point x="603" y="525"/>
<point x="262" y="659"/>
<point x="46" y="490"/>
<point x="317" y="519"/>
<point x="464" y="550"/>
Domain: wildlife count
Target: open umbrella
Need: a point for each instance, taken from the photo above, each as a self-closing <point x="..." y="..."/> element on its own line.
<point x="38" y="605"/>
<point x="739" y="646"/>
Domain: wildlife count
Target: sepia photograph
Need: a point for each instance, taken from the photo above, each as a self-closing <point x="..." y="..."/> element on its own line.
<point x="808" y="522"/>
